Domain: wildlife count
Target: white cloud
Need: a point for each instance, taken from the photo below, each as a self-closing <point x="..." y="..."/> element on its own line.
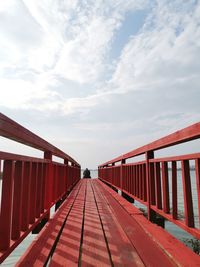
<point x="51" y="47"/>
<point x="160" y="54"/>
<point x="20" y="94"/>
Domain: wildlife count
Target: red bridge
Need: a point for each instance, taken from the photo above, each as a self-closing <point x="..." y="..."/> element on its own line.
<point x="94" y="225"/>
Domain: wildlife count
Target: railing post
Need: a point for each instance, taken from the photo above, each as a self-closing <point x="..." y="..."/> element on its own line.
<point x="150" y="213"/>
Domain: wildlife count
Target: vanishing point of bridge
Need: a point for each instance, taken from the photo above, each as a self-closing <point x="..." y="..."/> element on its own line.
<point x="94" y="225"/>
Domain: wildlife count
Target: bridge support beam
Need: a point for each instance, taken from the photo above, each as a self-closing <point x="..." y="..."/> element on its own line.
<point x="58" y="204"/>
<point x="40" y="225"/>
<point x="159" y="220"/>
<point x="114" y="188"/>
<point x="128" y="198"/>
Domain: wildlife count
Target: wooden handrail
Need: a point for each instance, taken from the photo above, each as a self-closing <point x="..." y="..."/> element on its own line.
<point x="14" y="131"/>
<point x="30" y="186"/>
<point x="187" y="134"/>
<point x="148" y="181"/>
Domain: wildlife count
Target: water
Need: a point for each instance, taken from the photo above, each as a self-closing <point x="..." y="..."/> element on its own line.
<point x="173" y="229"/>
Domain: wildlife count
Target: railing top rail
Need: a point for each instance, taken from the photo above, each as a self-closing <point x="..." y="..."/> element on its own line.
<point x="187" y="134"/>
<point x="14" y="131"/>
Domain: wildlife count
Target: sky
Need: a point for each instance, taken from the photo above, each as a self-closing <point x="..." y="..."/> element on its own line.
<point x="99" y="78"/>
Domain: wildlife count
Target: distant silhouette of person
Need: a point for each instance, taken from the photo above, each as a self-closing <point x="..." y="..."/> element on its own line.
<point x="86" y="173"/>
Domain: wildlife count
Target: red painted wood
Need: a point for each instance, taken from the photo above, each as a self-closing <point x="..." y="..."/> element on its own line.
<point x="132" y="185"/>
<point x="187" y="193"/>
<point x="173" y="248"/>
<point x="94" y="249"/>
<point x="158" y="185"/>
<point x="17" y="200"/>
<point x="122" y="251"/>
<point x="12" y="130"/>
<point x="137" y="181"/>
<point x="165" y="186"/>
<point x="26" y="197"/>
<point x="197" y="168"/>
<point x="145" y="183"/>
<point x="152" y="255"/>
<point x="140" y="181"/>
<point x="67" y="249"/>
<point x="177" y="158"/>
<point x="47" y="188"/>
<point x="11" y="156"/>
<point x="187" y="134"/>
<point x="38" y="252"/>
<point x="174" y="190"/>
<point x="6" y="204"/>
<point x="149" y="155"/>
<point x="39" y="190"/>
<point x="33" y="192"/>
<point x="108" y="213"/>
<point x="24" y="218"/>
<point x="43" y="184"/>
<point x="134" y="180"/>
<point x="152" y="184"/>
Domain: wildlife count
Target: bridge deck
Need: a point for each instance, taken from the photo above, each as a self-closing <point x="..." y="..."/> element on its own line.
<point x="97" y="227"/>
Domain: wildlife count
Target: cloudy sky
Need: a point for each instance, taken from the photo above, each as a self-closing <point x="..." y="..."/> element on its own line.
<point x="100" y="78"/>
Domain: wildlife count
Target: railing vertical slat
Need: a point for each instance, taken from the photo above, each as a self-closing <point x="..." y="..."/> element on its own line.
<point x="132" y="180"/>
<point x="129" y="179"/>
<point x="165" y="187"/>
<point x="150" y="212"/>
<point x="152" y="184"/>
<point x="145" y="182"/>
<point x="43" y="182"/>
<point x="26" y="196"/>
<point x="33" y="195"/>
<point x="6" y="204"/>
<point x="39" y="190"/>
<point x="142" y="184"/>
<point x="17" y="200"/>
<point x="187" y="192"/>
<point x="174" y="190"/>
<point x="137" y="180"/>
<point x="197" y="168"/>
<point x="158" y="185"/>
<point x="140" y="181"/>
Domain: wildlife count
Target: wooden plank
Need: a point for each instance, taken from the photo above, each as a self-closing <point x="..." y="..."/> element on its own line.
<point x="40" y="249"/>
<point x="94" y="248"/>
<point x="148" y="250"/>
<point x="121" y="250"/>
<point x="68" y="248"/>
<point x="178" y="253"/>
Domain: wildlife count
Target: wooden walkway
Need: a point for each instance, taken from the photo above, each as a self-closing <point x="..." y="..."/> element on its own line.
<point x="97" y="227"/>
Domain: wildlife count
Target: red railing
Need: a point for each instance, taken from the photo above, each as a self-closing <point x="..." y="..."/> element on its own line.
<point x="154" y="181"/>
<point x="30" y="186"/>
